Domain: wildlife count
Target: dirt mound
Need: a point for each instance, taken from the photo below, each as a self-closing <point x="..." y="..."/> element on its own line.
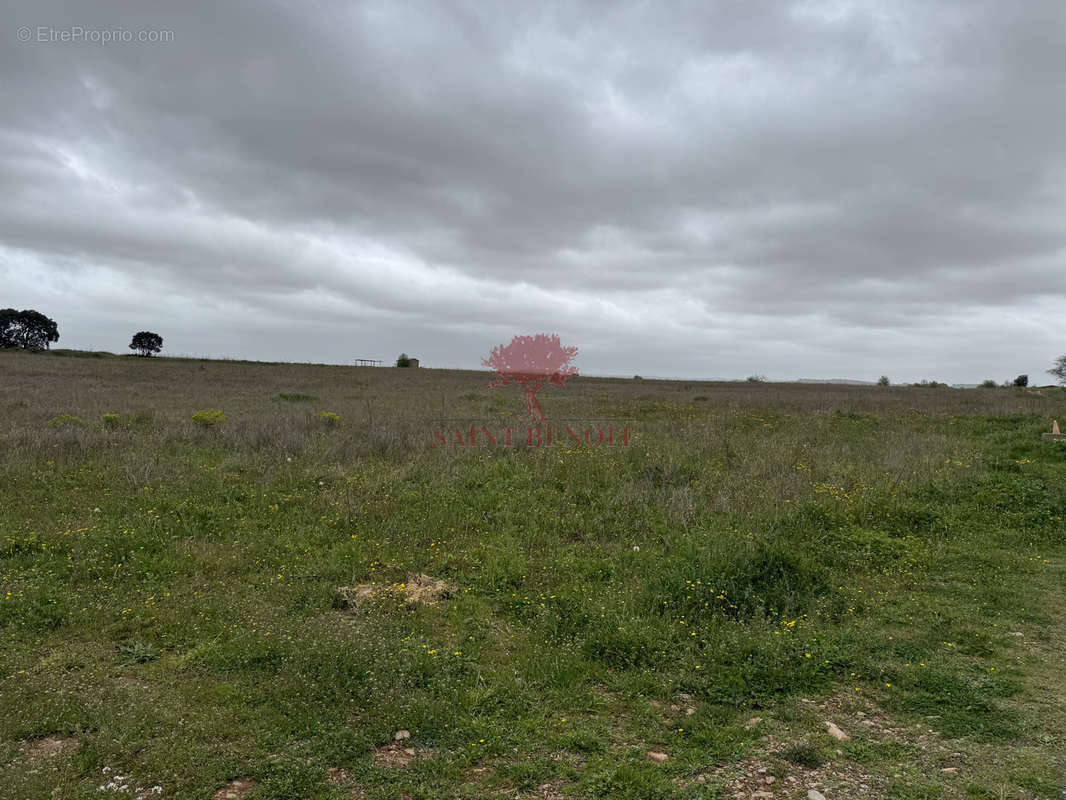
<point x="417" y="590"/>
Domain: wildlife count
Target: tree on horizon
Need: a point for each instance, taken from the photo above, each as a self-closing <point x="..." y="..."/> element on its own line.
<point x="1059" y="370"/>
<point x="28" y="329"/>
<point x="147" y="343"/>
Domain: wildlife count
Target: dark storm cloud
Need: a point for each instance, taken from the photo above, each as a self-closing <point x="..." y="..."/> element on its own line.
<point x="789" y="188"/>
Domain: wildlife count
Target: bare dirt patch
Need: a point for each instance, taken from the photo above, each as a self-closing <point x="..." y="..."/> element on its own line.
<point x="396" y="756"/>
<point x="48" y="747"/>
<point x="236" y="789"/>
<point x="417" y="590"/>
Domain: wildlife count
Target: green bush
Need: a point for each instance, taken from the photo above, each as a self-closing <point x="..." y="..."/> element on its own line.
<point x="112" y="420"/>
<point x="329" y="417"/>
<point x="208" y="418"/>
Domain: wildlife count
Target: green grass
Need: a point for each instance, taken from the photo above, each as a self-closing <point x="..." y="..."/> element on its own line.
<point x="168" y="593"/>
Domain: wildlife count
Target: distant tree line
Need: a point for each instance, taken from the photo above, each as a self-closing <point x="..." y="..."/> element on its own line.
<point x="32" y="330"/>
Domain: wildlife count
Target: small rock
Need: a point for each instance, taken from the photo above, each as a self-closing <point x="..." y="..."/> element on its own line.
<point x="835" y="732"/>
<point x="751" y="723"/>
<point x="409" y="750"/>
<point x="950" y="770"/>
<point x="761" y="794"/>
<point x="657" y="757"/>
<point x="1015" y="633"/>
<point x="814" y="794"/>
<point x="401" y="735"/>
<point x="770" y="779"/>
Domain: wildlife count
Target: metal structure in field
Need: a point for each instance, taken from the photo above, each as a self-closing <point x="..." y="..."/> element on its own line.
<point x="367" y="362"/>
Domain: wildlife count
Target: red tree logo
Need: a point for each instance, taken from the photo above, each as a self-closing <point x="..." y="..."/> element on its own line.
<point x="531" y="362"/>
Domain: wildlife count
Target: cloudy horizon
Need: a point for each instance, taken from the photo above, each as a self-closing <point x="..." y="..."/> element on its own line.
<point x="697" y="190"/>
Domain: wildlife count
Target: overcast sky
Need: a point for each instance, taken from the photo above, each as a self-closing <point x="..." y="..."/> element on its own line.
<point x="704" y="189"/>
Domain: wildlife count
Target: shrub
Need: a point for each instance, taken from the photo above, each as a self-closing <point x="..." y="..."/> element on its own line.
<point x="883" y="381"/>
<point x="756" y="379"/>
<point x="329" y="417"/>
<point x="403" y="361"/>
<point x="112" y="420"/>
<point x="65" y="419"/>
<point x="208" y="418"/>
<point x="803" y="754"/>
<point x="988" y="384"/>
<point x="1021" y="381"/>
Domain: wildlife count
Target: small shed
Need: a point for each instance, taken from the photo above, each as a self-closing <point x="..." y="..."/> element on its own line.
<point x="412" y="362"/>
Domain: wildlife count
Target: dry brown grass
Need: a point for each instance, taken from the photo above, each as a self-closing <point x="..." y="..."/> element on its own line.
<point x="384" y="404"/>
<point x="753" y="437"/>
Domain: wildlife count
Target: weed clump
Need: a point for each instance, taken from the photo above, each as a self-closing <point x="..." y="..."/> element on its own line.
<point x="804" y="754"/>
<point x="209" y="418"/>
<point x="64" y="420"/>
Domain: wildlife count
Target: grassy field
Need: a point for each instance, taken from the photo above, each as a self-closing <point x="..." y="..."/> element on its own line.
<point x="677" y="618"/>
